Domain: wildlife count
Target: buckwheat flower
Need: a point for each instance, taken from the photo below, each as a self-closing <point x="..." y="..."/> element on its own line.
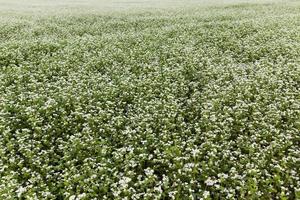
<point x="46" y="194"/>
<point x="124" y="182"/>
<point x="195" y="152"/>
<point x="158" y="189"/>
<point x="149" y="172"/>
<point x="189" y="165"/>
<point x="20" y="191"/>
<point x="116" y="193"/>
<point x="81" y="196"/>
<point x="132" y="163"/>
<point x="172" y="194"/>
<point x="206" y="194"/>
<point x="73" y="197"/>
<point x="210" y="182"/>
<point x="144" y="142"/>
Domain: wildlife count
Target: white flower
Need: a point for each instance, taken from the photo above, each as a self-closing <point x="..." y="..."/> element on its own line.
<point x="149" y="172"/>
<point x="81" y="196"/>
<point x="73" y="197"/>
<point x="210" y="182"/>
<point x="206" y="194"/>
<point x="172" y="194"/>
<point x="20" y="191"/>
<point x="124" y="182"/>
<point x="158" y="189"/>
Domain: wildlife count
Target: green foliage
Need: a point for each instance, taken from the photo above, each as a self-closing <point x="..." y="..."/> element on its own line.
<point x="195" y="102"/>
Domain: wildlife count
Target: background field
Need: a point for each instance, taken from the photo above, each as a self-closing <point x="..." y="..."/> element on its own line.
<point x="149" y="99"/>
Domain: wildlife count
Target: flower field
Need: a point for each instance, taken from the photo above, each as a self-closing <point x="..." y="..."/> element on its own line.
<point x="149" y="99"/>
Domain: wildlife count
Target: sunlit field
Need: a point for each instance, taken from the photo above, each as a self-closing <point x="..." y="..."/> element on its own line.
<point x="149" y="99"/>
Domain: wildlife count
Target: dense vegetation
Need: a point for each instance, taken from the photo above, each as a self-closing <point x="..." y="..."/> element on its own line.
<point x="168" y="103"/>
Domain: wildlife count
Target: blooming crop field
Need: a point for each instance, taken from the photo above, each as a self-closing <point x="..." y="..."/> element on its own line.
<point x="121" y="99"/>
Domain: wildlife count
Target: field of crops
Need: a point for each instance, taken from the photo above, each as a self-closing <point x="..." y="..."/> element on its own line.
<point x="191" y="99"/>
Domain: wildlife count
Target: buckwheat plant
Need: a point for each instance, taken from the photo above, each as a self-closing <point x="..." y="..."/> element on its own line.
<point x="154" y="99"/>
